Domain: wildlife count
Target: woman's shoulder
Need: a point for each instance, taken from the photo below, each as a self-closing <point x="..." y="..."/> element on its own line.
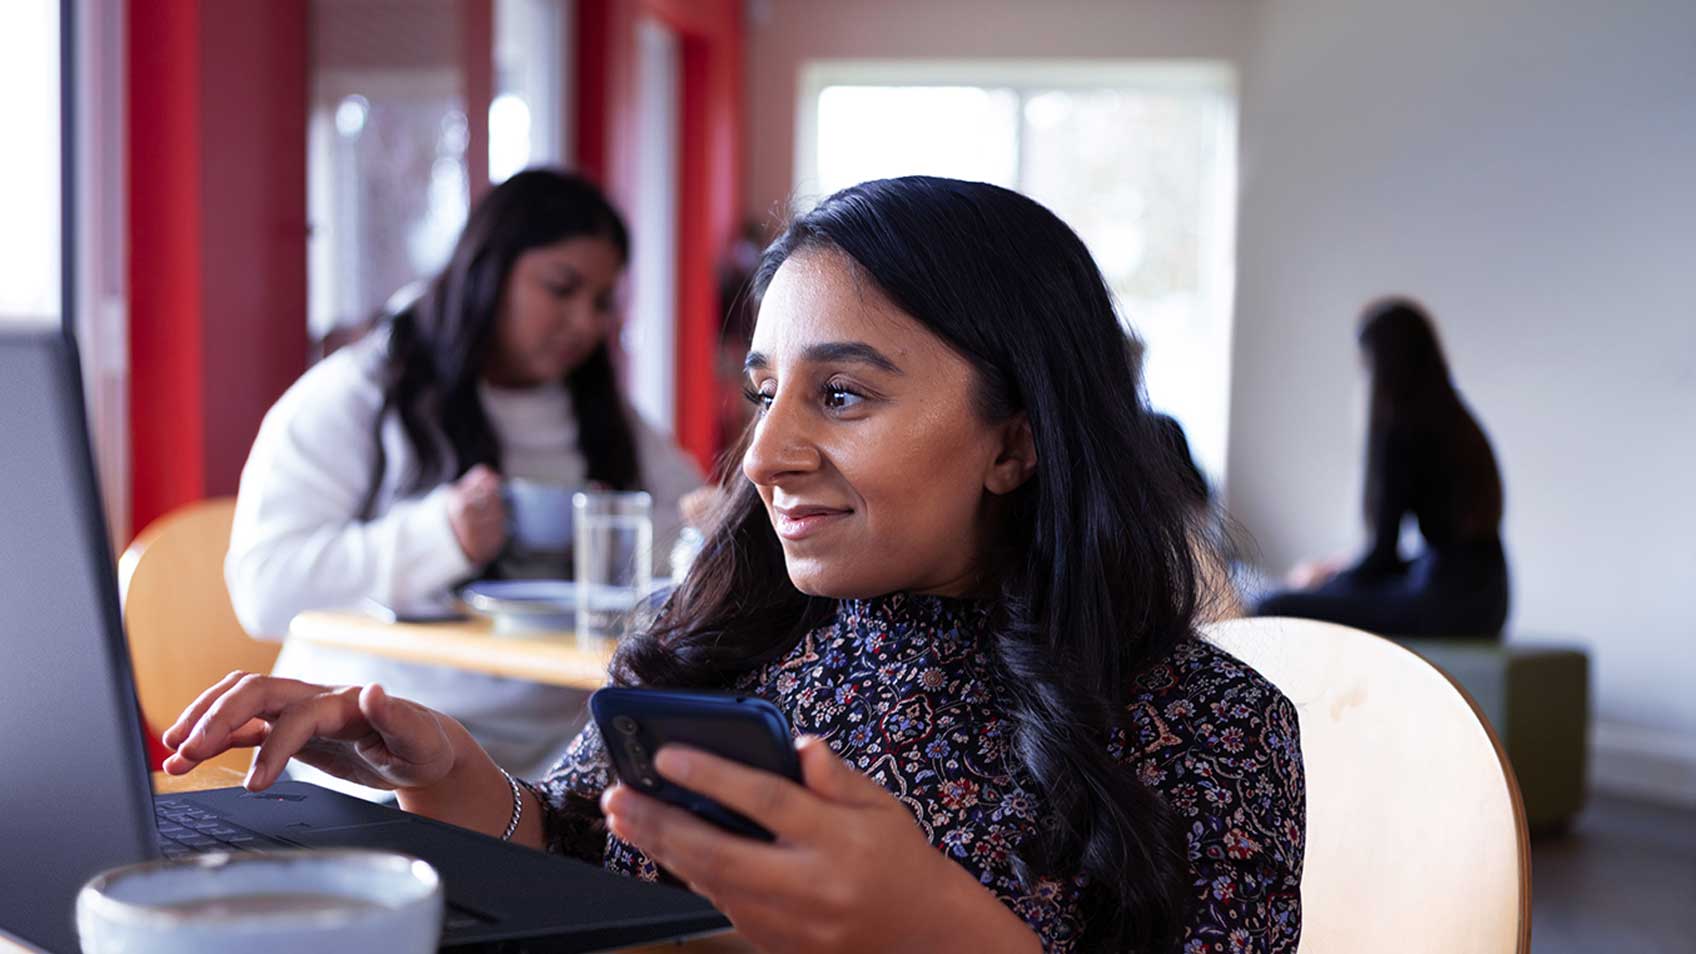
<point x="347" y="381"/>
<point x="1222" y="747"/>
<point x="1220" y="744"/>
<point x="668" y="471"/>
<point x="358" y="364"/>
<point x="1200" y="704"/>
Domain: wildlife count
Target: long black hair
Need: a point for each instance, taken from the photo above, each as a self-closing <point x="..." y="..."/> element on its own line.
<point x="1093" y="576"/>
<point x="1414" y="403"/>
<point x="439" y="345"/>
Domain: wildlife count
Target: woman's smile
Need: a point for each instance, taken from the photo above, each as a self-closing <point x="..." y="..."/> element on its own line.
<point x="799" y="522"/>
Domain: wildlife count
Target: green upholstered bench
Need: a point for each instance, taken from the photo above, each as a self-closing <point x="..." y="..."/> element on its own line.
<point x="1537" y="697"/>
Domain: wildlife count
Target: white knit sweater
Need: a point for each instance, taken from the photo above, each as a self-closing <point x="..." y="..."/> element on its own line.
<point x="297" y="542"/>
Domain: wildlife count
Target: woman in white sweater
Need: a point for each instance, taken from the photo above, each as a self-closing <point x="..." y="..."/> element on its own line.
<point x="377" y="475"/>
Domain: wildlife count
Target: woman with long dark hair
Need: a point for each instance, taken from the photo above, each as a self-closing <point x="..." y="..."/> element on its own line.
<point x="1425" y="456"/>
<point x="960" y="558"/>
<point x="378" y="474"/>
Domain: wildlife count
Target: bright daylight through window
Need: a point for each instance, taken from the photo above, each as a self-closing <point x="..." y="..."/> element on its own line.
<point x="29" y="174"/>
<point x="1139" y="159"/>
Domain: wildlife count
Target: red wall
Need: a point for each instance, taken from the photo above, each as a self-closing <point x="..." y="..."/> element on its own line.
<point x="163" y="189"/>
<point x="477" y="73"/>
<point x="216" y="158"/>
<point x="217" y="100"/>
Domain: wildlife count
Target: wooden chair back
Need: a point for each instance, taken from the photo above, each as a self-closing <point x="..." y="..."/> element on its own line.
<point x="183" y="633"/>
<point x="1416" y="834"/>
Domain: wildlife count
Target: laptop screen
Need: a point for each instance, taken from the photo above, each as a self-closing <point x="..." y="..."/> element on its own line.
<point x="74" y="796"/>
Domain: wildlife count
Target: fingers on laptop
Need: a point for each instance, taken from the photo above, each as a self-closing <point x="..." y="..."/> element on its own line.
<point x="332" y="714"/>
<point x="178" y="732"/>
<point x="409" y="731"/>
<point x="248" y="736"/>
<point x="211" y="724"/>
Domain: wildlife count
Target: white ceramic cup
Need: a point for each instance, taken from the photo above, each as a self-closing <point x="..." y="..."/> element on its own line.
<point x="324" y="902"/>
<point x="540" y="515"/>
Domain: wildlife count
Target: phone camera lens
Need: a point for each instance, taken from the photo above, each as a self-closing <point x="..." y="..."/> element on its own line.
<point x="625" y="724"/>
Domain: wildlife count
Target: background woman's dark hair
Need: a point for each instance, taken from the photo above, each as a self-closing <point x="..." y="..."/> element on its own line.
<point x="439" y="345"/>
<point x="1414" y="402"/>
<point x="1406" y="362"/>
<point x="1190" y="477"/>
<point x="1094" y="577"/>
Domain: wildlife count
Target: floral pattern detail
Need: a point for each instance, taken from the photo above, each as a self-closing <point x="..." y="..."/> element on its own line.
<point x="906" y="690"/>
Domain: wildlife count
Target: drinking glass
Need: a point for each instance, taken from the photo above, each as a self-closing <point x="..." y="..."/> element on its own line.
<point x="613" y="559"/>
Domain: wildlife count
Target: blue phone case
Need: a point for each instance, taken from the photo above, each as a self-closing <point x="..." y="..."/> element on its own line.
<point x="635" y="723"/>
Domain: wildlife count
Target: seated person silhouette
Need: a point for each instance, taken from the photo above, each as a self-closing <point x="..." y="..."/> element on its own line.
<point x="1426" y="456"/>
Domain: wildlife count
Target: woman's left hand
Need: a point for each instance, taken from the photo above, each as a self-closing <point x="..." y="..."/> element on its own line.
<point x="850" y="870"/>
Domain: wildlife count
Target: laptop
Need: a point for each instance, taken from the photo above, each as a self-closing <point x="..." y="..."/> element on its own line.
<point x="75" y="796"/>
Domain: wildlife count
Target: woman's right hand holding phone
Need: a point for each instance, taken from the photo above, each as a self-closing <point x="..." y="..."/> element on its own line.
<point x="361" y="734"/>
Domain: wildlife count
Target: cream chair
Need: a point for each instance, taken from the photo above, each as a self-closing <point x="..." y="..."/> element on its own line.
<point x="1416" y="835"/>
<point x="183" y="634"/>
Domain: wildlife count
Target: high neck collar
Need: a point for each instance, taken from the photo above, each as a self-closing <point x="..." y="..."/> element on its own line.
<point x="903" y="617"/>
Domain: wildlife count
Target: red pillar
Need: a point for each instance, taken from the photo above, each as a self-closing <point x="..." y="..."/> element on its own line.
<point x="477" y="41"/>
<point x="163" y="170"/>
<point x="216" y="159"/>
<point x="709" y="203"/>
<point x="709" y="194"/>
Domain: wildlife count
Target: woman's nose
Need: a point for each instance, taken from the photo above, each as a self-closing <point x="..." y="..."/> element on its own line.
<point x="584" y="319"/>
<point x="782" y="444"/>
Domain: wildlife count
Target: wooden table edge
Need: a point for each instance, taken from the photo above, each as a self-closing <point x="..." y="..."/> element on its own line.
<point x="552" y="660"/>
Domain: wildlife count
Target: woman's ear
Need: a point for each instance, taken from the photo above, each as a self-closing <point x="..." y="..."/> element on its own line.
<point x="1015" y="462"/>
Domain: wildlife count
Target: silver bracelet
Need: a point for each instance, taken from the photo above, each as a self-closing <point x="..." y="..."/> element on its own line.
<point x="517" y="806"/>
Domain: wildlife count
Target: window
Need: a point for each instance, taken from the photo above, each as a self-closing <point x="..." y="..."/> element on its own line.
<point x="387" y="188"/>
<point x="1139" y="158"/>
<point x="388" y="176"/>
<point x="29" y="165"/>
<point x="527" y="118"/>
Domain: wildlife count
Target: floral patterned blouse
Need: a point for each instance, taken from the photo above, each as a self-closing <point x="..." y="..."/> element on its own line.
<point x="904" y="688"/>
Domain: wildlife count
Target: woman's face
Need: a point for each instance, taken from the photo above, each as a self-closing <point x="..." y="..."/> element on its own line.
<point x="875" y="465"/>
<point x="556" y="309"/>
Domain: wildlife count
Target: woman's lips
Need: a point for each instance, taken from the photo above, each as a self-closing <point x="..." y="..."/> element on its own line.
<point x="799" y="523"/>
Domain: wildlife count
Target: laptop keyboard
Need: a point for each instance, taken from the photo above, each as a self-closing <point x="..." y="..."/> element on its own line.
<point x="185" y="830"/>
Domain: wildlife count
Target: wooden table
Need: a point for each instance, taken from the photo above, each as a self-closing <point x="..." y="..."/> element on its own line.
<point x="553" y="658"/>
<point x="216" y="777"/>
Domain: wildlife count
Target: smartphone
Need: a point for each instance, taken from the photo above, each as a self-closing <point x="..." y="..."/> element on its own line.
<point x="635" y="723"/>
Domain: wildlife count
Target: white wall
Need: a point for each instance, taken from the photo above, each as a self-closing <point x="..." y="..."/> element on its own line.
<point x="1528" y="169"/>
<point x="784" y="34"/>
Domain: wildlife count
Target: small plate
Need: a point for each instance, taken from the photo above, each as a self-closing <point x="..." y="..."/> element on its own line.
<point x="524" y="607"/>
<point x="534" y="608"/>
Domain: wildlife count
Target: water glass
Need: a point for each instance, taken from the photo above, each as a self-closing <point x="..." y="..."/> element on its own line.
<point x="613" y="559"/>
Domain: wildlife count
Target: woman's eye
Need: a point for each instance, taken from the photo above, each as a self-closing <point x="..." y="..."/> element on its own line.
<point x="758" y="398"/>
<point x="838" y="398"/>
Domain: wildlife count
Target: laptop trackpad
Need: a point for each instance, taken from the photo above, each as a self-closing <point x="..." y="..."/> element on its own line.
<point x="441" y="848"/>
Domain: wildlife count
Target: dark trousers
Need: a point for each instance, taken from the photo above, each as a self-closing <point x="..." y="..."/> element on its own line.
<point x="1455" y="591"/>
